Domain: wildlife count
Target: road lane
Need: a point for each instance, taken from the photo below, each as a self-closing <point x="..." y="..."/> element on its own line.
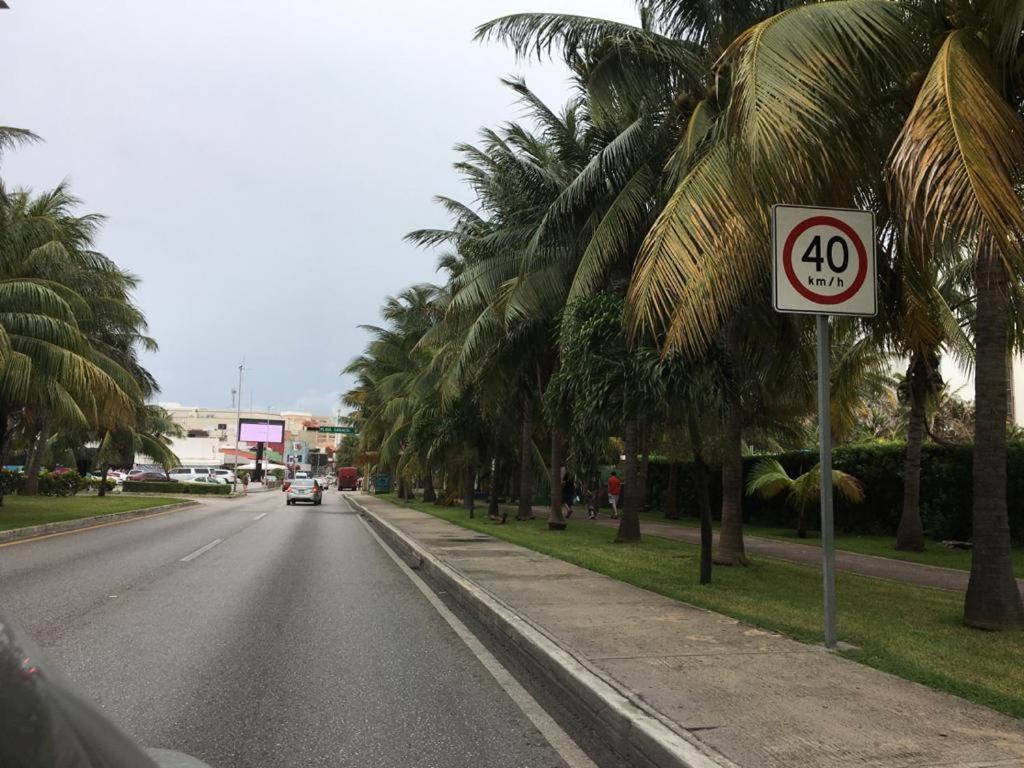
<point x="294" y="641"/>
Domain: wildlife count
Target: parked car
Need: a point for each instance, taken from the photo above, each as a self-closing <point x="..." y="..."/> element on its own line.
<point x="149" y="476"/>
<point x="188" y="474"/>
<point x="208" y="480"/>
<point x="303" y="489"/>
<point x="227" y="474"/>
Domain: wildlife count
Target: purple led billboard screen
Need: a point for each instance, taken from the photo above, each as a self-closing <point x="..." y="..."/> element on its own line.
<point x="260" y="431"/>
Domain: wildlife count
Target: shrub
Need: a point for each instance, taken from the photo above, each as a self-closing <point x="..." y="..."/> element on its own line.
<point x="94" y="482"/>
<point x="10" y="482"/>
<point x="177" y="488"/>
<point x="64" y="484"/>
<point x="946" y="488"/>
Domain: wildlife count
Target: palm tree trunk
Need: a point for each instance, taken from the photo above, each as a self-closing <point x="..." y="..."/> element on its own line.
<point x="30" y="485"/>
<point x="700" y="476"/>
<point x="645" y="461"/>
<point x="493" y="489"/>
<point x="429" y="494"/>
<point x="103" y="479"/>
<point x="910" y="533"/>
<point x="670" y="505"/>
<point x="556" y="520"/>
<point x="7" y="424"/>
<point x="629" y="522"/>
<point x="468" y="483"/>
<point x="525" y="511"/>
<point x="993" y="600"/>
<point x="730" y="536"/>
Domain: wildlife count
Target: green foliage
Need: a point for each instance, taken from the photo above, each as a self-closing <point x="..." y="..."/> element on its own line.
<point x="946" y="489"/>
<point x="768" y="479"/>
<point x="602" y="381"/>
<point x="63" y="484"/>
<point x="217" y="489"/>
<point x="10" y="482"/>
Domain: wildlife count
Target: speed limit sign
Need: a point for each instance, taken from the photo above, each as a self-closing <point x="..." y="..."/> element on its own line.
<point x="824" y="260"/>
<point x="824" y="264"/>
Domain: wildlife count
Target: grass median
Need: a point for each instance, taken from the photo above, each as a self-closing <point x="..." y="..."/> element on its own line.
<point x="912" y="632"/>
<point x="880" y="546"/>
<point x="23" y="511"/>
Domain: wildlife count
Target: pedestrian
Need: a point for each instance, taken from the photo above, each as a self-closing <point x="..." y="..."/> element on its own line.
<point x="245" y="484"/>
<point x="614" y="489"/>
<point x="568" y="495"/>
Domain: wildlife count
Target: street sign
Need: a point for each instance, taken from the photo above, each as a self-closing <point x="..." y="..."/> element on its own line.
<point x="824" y="260"/>
<point x="824" y="264"/>
<point x="333" y="430"/>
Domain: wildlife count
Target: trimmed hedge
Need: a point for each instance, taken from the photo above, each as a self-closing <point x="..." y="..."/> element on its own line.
<point x="177" y="488"/>
<point x="946" y="489"/>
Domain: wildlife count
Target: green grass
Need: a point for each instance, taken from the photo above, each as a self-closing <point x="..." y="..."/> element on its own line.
<point x="912" y="632"/>
<point x="879" y="546"/>
<point x="23" y="511"/>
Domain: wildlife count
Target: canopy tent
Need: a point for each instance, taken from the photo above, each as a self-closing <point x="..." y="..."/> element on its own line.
<point x="266" y="466"/>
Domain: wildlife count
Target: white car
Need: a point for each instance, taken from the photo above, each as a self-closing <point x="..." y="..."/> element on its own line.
<point x="188" y="474"/>
<point x="301" y="475"/>
<point x="227" y="474"/>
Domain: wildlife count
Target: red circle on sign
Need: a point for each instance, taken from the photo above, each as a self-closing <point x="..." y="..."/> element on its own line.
<point x="846" y="229"/>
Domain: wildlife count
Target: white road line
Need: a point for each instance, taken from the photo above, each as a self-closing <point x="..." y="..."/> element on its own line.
<point x="260" y="516"/>
<point x="201" y="550"/>
<point x="559" y="740"/>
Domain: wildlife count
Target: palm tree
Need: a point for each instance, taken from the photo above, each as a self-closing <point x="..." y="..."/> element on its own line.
<point x="149" y="434"/>
<point x="769" y="479"/>
<point x="952" y="177"/>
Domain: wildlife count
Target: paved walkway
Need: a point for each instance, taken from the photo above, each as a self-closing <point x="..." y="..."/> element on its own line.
<point x="759" y="699"/>
<point x="918" y="574"/>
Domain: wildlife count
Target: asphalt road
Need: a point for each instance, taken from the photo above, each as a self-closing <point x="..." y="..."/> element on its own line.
<point x="292" y="641"/>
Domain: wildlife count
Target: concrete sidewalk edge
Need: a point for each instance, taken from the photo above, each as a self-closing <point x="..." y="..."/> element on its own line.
<point x="67" y="526"/>
<point x="638" y="730"/>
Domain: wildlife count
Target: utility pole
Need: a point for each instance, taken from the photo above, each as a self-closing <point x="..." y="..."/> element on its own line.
<point x="238" y="423"/>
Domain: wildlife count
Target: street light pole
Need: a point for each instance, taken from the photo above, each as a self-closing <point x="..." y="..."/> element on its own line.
<point x="238" y="423"/>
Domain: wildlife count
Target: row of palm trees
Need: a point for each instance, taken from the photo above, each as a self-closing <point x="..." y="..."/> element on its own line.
<point x="70" y="338"/>
<point x="608" y="278"/>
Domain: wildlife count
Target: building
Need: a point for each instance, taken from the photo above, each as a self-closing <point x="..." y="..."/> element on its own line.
<point x="210" y="433"/>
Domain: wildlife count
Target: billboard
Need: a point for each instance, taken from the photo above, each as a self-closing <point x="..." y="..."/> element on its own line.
<point x="260" y="431"/>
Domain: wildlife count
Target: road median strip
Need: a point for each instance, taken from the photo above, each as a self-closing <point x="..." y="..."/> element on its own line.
<point x="643" y="735"/>
<point x="46" y="530"/>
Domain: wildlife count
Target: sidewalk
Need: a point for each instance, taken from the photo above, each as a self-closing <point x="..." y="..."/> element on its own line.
<point x="740" y="695"/>
<point x="918" y="574"/>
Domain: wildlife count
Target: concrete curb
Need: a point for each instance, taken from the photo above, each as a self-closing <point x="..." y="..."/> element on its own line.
<point x="635" y="730"/>
<point x="65" y="526"/>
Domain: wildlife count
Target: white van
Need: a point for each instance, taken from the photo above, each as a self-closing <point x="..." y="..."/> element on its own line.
<point x="189" y="474"/>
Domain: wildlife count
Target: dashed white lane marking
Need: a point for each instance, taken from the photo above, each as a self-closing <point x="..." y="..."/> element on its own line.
<point x="201" y="550"/>
<point x="260" y="516"/>
<point x="559" y="740"/>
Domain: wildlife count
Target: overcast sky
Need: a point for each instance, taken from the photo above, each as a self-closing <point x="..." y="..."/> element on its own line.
<point x="260" y="161"/>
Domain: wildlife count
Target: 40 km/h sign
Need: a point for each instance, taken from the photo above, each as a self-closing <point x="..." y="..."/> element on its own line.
<point x="824" y="260"/>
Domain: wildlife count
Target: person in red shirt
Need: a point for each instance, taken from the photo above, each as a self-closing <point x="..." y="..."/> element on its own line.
<point x="614" y="488"/>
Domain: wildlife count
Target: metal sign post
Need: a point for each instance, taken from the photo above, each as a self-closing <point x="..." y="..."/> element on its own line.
<point x="828" y="549"/>
<point x="824" y="264"/>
